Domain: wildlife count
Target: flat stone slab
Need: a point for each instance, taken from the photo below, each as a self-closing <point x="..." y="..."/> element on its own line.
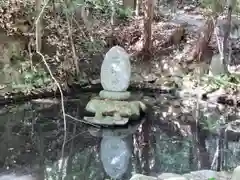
<point x="114" y="95"/>
<point x="171" y="176"/>
<point x="115" y="108"/>
<point x="142" y="177"/>
<point x="107" y="120"/>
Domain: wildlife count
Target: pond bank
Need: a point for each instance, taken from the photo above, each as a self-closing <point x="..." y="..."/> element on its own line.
<point x="194" y="175"/>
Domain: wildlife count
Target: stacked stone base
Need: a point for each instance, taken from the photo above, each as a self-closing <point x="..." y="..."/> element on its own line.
<point x="112" y="108"/>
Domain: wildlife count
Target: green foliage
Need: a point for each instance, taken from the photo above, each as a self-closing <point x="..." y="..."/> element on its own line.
<point x="124" y="13"/>
<point x="236" y="7"/>
<point x="92" y="46"/>
<point x="36" y="78"/>
<point x="222" y="81"/>
<point x="28" y="78"/>
<point x="102" y="7"/>
<point x="217" y="6"/>
<point x="211" y="123"/>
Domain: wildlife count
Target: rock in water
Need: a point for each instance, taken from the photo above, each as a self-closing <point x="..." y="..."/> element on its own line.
<point x="236" y="173"/>
<point x="116" y="70"/>
<point x="216" y="66"/>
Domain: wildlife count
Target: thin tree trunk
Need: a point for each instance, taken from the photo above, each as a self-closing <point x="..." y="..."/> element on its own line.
<point x="138" y="7"/>
<point x="148" y="17"/>
<point x="129" y="4"/>
<point x="226" y="36"/>
<point x="202" y="44"/>
<point x="38" y="4"/>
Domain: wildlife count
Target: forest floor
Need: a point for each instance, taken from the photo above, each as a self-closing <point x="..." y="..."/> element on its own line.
<point x="168" y="67"/>
<point x="166" y="70"/>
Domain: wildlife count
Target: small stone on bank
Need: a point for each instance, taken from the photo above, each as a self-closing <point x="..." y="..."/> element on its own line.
<point x="171" y="176"/>
<point x="236" y="173"/>
<point x="142" y="177"/>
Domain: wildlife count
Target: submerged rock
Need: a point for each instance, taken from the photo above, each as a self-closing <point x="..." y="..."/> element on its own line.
<point x="116" y="70"/>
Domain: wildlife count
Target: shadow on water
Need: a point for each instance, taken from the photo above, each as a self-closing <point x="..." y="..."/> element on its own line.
<point x="32" y="135"/>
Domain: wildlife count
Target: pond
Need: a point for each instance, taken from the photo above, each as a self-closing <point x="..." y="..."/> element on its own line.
<point x="167" y="139"/>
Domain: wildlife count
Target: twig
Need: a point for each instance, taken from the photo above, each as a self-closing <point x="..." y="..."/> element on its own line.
<point x="112" y="3"/>
<point x="220" y="45"/>
<point x="30" y="53"/>
<point x="75" y="58"/>
<point x="78" y="25"/>
<point x="75" y="136"/>
<point x="54" y="79"/>
<point x="215" y="156"/>
<point x="81" y="120"/>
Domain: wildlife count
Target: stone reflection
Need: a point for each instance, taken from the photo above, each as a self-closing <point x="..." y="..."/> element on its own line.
<point x="116" y="149"/>
<point x="115" y="155"/>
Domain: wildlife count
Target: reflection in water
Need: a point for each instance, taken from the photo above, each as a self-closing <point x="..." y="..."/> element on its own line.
<point x="31" y="138"/>
<point x="115" y="156"/>
<point x="145" y="147"/>
<point x="200" y="156"/>
<point x="116" y="149"/>
<point x="14" y="177"/>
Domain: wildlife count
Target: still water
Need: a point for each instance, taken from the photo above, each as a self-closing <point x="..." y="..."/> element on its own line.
<point x="32" y="135"/>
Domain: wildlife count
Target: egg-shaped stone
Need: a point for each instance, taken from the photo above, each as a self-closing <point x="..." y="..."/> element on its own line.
<point x="115" y="154"/>
<point x="116" y="70"/>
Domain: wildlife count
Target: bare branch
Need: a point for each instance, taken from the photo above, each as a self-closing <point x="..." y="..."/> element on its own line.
<point x="38" y="50"/>
<point x="75" y="58"/>
<point x="82" y="121"/>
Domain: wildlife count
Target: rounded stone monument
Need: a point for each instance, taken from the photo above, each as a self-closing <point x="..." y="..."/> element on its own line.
<point x="116" y="70"/>
<point x="116" y="74"/>
<point x="113" y="107"/>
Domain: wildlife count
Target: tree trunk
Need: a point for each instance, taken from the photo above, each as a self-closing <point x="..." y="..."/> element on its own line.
<point x="226" y="36"/>
<point x="148" y="18"/>
<point x="129" y="4"/>
<point x="138" y="7"/>
<point x="202" y="43"/>
<point x="38" y="4"/>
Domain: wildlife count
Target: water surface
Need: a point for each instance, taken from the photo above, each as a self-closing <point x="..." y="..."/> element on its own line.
<point x="32" y="136"/>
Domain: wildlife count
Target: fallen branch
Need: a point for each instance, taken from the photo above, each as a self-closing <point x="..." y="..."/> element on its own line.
<point x="81" y="120"/>
<point x="54" y="79"/>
